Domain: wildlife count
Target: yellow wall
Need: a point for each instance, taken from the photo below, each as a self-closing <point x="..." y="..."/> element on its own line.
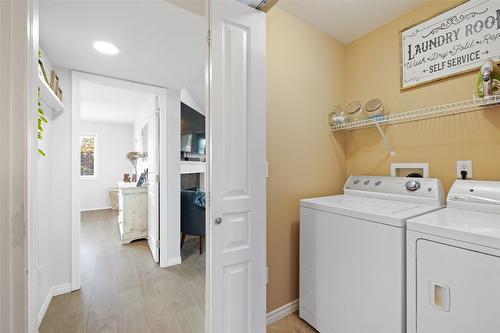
<point x="305" y="79"/>
<point x="372" y="70"/>
<point x="308" y="73"/>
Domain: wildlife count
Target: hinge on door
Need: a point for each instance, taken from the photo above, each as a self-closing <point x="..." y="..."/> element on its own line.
<point x="157" y="243"/>
<point x="157" y="178"/>
<point x="209" y="37"/>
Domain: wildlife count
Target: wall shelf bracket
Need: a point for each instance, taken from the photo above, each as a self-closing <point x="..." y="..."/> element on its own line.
<point x="387" y="143"/>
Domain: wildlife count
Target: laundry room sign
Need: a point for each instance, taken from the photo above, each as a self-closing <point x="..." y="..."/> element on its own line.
<point x="456" y="41"/>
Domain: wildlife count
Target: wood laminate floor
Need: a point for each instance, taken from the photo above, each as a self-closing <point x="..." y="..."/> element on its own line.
<point x="124" y="291"/>
<point x="291" y="324"/>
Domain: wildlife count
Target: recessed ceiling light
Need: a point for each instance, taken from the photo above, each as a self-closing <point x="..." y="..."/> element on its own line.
<point x="105" y="47"/>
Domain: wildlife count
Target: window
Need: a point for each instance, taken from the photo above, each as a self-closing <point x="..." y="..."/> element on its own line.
<point x="88" y="148"/>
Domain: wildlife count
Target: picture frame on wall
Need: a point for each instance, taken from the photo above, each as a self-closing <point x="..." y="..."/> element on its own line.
<point x="455" y="41"/>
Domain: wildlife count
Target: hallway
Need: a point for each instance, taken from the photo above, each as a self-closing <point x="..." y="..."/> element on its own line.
<point x="123" y="290"/>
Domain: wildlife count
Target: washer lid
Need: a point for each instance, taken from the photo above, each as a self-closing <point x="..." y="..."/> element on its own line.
<point x="474" y="227"/>
<point x="389" y="212"/>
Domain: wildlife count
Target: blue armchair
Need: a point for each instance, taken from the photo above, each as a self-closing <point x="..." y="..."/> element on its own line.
<point x="192" y="217"/>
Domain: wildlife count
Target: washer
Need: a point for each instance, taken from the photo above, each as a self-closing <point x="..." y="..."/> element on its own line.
<point x="352" y="253"/>
<point x="454" y="263"/>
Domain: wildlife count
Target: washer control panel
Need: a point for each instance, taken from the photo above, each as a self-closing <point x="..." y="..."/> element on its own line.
<point x="413" y="185"/>
<point x="404" y="186"/>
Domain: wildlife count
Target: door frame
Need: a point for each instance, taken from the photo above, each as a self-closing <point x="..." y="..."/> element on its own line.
<point x="18" y="215"/>
<point x="21" y="315"/>
<point x="167" y="168"/>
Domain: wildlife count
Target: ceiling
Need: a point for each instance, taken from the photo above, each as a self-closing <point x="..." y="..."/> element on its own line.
<point x="160" y="44"/>
<point x="109" y="104"/>
<point x="348" y="20"/>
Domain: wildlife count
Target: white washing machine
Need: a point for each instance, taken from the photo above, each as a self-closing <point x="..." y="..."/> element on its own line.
<point x="352" y="253"/>
<point x="453" y="270"/>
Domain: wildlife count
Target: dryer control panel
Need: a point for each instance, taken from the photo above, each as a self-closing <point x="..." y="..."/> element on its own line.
<point x="397" y="188"/>
<point x="475" y="195"/>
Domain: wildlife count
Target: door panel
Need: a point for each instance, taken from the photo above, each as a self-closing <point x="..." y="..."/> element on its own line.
<point x="153" y="185"/>
<point x="457" y="290"/>
<point x="237" y="167"/>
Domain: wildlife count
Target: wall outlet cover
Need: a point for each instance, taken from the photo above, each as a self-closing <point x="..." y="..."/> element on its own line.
<point x="464" y="165"/>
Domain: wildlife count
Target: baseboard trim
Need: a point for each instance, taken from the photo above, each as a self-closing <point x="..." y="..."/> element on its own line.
<point x="53" y="291"/>
<point x="282" y="312"/>
<point x="91" y="209"/>
<point x="61" y="289"/>
<point x="173" y="261"/>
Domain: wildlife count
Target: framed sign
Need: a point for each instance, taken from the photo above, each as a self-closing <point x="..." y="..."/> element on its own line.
<point x="456" y="41"/>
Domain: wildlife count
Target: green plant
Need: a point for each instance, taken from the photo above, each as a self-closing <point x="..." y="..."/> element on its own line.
<point x="41" y="121"/>
<point x="41" y="116"/>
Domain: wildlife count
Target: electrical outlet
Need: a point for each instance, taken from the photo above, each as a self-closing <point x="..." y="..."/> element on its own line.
<point x="464" y="166"/>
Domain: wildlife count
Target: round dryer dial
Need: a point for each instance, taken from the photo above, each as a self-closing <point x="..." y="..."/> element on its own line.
<point x="412" y="185"/>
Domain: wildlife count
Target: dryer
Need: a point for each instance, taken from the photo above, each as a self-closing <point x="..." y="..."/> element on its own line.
<point x="453" y="270"/>
<point x="352" y="253"/>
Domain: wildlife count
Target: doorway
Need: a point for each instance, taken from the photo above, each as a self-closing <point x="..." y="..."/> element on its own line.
<point x="121" y="86"/>
<point x="233" y="23"/>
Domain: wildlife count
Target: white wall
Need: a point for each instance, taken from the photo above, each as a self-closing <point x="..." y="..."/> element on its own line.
<point x="47" y="209"/>
<point x="52" y="229"/>
<point x="143" y="118"/>
<point x="170" y="215"/>
<point x="61" y="186"/>
<point x="194" y="92"/>
<point x="114" y="141"/>
<point x="189" y="100"/>
<point x="43" y="227"/>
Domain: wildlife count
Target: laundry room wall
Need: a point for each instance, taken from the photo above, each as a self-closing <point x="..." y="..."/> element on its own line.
<point x="373" y="70"/>
<point x="305" y="79"/>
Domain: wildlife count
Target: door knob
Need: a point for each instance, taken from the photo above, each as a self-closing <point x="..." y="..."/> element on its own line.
<point x="218" y="220"/>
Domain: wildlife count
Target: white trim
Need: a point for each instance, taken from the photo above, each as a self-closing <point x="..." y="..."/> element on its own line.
<point x="32" y="165"/>
<point x="170" y="180"/>
<point x="98" y="208"/>
<point x="61" y="289"/>
<point x="188" y="167"/>
<point x="18" y="40"/>
<point x="75" y="181"/>
<point x="282" y="312"/>
<point x="53" y="292"/>
<point x="173" y="261"/>
<point x="423" y="166"/>
<point x="44" y="308"/>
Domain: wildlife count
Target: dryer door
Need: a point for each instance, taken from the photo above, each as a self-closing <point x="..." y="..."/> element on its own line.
<point x="458" y="290"/>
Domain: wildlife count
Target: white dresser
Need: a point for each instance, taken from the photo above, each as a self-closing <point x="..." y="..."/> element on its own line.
<point x="133" y="213"/>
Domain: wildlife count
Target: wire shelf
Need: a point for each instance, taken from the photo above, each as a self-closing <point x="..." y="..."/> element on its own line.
<point x="420" y="114"/>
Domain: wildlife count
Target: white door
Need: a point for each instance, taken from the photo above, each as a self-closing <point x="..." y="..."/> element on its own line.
<point x="237" y="164"/>
<point x="153" y="184"/>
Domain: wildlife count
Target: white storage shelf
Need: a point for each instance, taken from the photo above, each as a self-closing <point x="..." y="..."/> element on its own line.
<point x="48" y="96"/>
<point x="425" y="113"/>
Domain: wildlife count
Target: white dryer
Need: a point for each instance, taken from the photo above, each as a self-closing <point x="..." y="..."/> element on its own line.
<point x="352" y="253"/>
<point x="453" y="270"/>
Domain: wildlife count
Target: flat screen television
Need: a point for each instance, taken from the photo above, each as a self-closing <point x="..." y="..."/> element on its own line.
<point x="193" y="141"/>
